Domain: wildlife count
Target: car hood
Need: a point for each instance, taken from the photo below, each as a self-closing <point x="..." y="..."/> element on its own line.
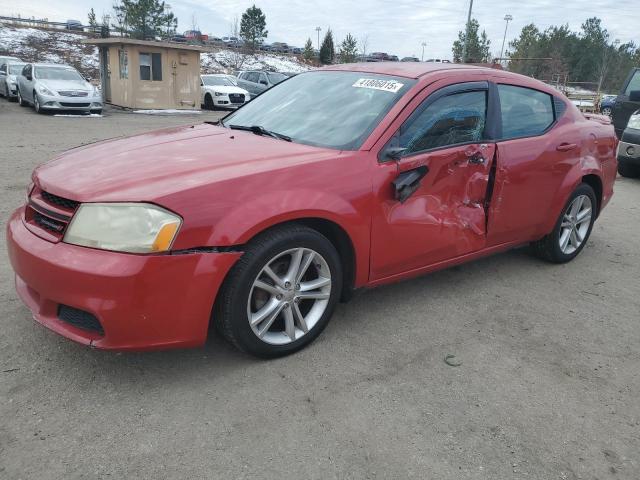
<point x="226" y="89"/>
<point x="56" y="85"/>
<point x="157" y="164"/>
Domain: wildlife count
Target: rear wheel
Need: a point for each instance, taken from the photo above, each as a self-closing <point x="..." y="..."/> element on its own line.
<point x="21" y="100"/>
<point x="629" y="171"/>
<point x="281" y="294"/>
<point x="572" y="230"/>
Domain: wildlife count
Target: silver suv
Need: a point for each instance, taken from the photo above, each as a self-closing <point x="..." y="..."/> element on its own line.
<point x="50" y="86"/>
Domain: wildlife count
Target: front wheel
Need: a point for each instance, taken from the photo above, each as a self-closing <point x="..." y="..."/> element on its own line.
<point x="572" y="230"/>
<point x="282" y="292"/>
<point x="36" y="103"/>
<point x="208" y="102"/>
<point x="606" y="111"/>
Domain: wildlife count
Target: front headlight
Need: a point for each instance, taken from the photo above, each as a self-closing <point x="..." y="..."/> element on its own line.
<point x="44" y="90"/>
<point x="123" y="227"/>
<point x="219" y="94"/>
<point x="634" y="121"/>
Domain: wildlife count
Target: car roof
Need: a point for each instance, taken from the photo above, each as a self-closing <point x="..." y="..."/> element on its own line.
<point x="403" y="69"/>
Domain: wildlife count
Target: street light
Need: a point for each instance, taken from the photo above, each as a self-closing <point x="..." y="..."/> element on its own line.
<point x="318" y="30"/>
<point x="507" y="19"/>
<point x="424" y="44"/>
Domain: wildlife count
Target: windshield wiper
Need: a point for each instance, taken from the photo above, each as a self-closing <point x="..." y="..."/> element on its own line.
<point x="258" y="130"/>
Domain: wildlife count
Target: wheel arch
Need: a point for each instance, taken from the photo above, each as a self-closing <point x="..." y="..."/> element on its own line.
<point x="595" y="182"/>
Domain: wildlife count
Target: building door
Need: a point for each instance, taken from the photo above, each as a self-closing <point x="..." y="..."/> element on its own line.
<point x="105" y="79"/>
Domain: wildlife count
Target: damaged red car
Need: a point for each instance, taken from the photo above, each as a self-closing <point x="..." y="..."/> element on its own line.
<point x="347" y="177"/>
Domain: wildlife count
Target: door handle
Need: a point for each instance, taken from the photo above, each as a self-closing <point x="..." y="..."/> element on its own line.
<point x="565" y="147"/>
<point x="476" y="159"/>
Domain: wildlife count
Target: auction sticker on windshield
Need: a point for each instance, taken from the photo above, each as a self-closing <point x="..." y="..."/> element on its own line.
<point x="376" y="84"/>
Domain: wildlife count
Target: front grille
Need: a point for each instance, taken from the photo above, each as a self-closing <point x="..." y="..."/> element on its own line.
<point x="79" y="318"/>
<point x="72" y="93"/>
<point x="48" y="223"/>
<point x="236" y="97"/>
<point x="67" y="104"/>
<point x="59" y="201"/>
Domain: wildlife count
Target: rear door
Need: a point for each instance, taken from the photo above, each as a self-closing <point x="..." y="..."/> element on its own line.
<point x="624" y="106"/>
<point x="432" y="200"/>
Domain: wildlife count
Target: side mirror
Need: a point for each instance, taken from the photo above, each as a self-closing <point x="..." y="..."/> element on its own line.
<point x="634" y="96"/>
<point x="394" y="153"/>
<point x="29" y="77"/>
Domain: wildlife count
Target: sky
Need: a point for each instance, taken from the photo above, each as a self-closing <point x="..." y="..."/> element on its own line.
<point x="397" y="27"/>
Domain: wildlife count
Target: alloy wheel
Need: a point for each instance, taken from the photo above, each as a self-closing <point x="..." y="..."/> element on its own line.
<point x="289" y="296"/>
<point x="575" y="224"/>
<point x="606" y="111"/>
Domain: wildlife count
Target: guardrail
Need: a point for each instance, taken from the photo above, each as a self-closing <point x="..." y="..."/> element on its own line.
<point x="33" y="22"/>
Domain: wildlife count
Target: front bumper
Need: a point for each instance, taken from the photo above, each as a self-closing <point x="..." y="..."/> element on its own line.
<point x="12" y="91"/>
<point x="142" y="302"/>
<point x="57" y="102"/>
<point x="629" y="147"/>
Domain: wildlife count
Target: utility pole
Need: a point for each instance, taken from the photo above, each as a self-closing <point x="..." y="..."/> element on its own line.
<point x="424" y="44"/>
<point x="318" y="30"/>
<point x="507" y="18"/>
<point x="466" y="35"/>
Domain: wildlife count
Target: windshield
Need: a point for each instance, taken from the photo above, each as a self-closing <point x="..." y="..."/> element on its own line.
<point x="219" y="81"/>
<point x="327" y="109"/>
<point x="277" y="77"/>
<point x="57" y="73"/>
<point x="16" y="68"/>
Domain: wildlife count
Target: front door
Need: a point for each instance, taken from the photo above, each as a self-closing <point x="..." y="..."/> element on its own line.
<point x="432" y="194"/>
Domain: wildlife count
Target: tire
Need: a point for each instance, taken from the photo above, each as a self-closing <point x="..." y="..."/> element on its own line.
<point x="606" y="111"/>
<point x="36" y="103"/>
<point x="21" y="100"/>
<point x="208" y="102"/>
<point x="550" y="248"/>
<point x="628" y="171"/>
<point x="237" y="299"/>
<point x="95" y="112"/>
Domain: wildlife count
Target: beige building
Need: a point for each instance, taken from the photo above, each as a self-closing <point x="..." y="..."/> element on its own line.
<point x="145" y="74"/>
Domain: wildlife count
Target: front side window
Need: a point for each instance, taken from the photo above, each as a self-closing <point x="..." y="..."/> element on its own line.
<point x="276" y="77"/>
<point x="634" y="83"/>
<point x="26" y="71"/>
<point x="336" y="110"/>
<point x="525" y="112"/>
<point x="451" y="120"/>
<point x="124" y="63"/>
<point x="150" y="66"/>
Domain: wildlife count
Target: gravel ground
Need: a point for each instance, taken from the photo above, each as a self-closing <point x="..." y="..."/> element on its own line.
<point x="548" y="387"/>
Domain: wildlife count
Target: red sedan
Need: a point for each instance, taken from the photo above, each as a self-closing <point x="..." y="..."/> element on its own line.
<point x="347" y="177"/>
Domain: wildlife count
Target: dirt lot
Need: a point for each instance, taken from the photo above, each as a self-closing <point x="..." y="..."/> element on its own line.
<point x="548" y="387"/>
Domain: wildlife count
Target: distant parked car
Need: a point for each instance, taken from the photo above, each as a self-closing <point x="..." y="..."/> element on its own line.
<point x="219" y="92"/>
<point x="393" y="58"/>
<point x="256" y="82"/>
<point x="627" y="102"/>
<point x="378" y="57"/>
<point x="75" y="25"/>
<point x="410" y="59"/>
<point x="50" y="86"/>
<point x="265" y="47"/>
<point x="9" y="72"/>
<point x="629" y="148"/>
<point x="606" y="104"/>
<point x="296" y="50"/>
<point x="280" y="47"/>
<point x="179" y="38"/>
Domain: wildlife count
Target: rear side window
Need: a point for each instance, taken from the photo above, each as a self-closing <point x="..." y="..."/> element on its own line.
<point x="452" y="120"/>
<point x="525" y="112"/>
<point x="634" y="83"/>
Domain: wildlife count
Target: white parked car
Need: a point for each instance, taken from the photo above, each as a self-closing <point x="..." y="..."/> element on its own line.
<point x="9" y="72"/>
<point x="220" y="92"/>
<point x="51" y="86"/>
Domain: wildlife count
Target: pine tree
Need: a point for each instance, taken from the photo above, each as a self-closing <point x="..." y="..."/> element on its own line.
<point x="327" y="50"/>
<point x="308" y="53"/>
<point x="348" y="49"/>
<point x="477" y="46"/>
<point x="144" y="18"/>
<point x="252" y="27"/>
<point x="92" y="19"/>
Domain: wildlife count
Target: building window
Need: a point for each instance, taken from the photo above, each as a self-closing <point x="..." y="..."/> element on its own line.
<point x="124" y="63"/>
<point x="151" y="66"/>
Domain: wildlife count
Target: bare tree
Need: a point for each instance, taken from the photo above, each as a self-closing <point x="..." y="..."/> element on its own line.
<point x="364" y="43"/>
<point x="236" y="56"/>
